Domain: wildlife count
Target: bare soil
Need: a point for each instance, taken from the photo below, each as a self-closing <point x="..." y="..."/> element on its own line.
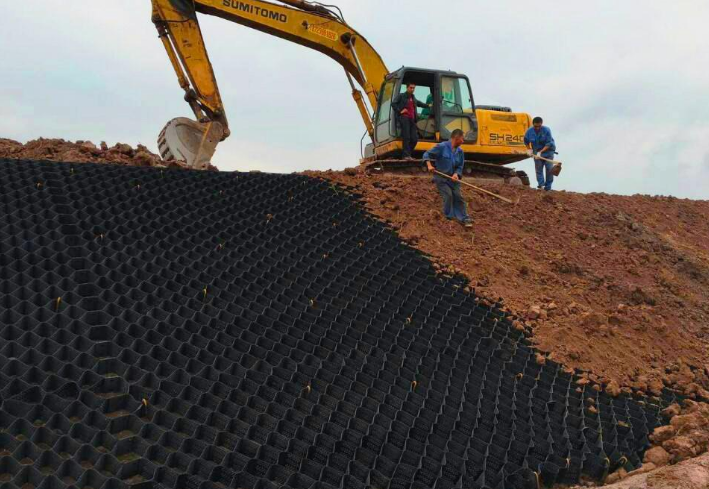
<point x="614" y="286"/>
<point x="689" y="474"/>
<point x="85" y="152"/>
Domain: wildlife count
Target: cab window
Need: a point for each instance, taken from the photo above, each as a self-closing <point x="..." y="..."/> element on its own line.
<point x="456" y="95"/>
<point x="384" y="126"/>
<point x="386" y="99"/>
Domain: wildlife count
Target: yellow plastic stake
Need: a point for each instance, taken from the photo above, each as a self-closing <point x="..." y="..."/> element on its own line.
<point x="204" y="291"/>
<point x="58" y="303"/>
<point x="145" y="402"/>
<point x="413" y="385"/>
<point x="308" y="389"/>
<point x="39" y="185"/>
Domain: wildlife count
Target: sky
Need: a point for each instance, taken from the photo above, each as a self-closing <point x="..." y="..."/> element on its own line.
<point x="624" y="86"/>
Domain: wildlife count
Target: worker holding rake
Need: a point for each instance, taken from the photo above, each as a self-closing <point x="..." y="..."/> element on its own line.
<point x="446" y="161"/>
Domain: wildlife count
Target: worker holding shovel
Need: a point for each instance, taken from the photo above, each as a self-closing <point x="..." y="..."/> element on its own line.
<point x="446" y="161"/>
<point x="540" y="142"/>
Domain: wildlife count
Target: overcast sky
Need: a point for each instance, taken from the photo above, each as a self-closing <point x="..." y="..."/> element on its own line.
<point x="624" y="86"/>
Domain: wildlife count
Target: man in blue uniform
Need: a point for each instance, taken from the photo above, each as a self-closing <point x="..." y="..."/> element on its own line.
<point x="448" y="158"/>
<point x="539" y="141"/>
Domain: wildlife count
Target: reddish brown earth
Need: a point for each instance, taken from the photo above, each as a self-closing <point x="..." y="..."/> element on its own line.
<point x="615" y="286"/>
<point x="679" y="442"/>
<point x="85" y="152"/>
<point x="689" y="474"/>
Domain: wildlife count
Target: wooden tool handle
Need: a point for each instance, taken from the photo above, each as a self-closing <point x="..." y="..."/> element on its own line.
<point x="540" y="158"/>
<point x="477" y="188"/>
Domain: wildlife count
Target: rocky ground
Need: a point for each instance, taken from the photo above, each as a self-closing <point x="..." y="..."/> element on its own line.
<point x="85" y="152"/>
<point x="690" y="474"/>
<point x="671" y="462"/>
<point x="614" y="286"/>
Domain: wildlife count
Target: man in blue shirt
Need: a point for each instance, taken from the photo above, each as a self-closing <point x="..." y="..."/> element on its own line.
<point x="448" y="158"/>
<point x="539" y="141"/>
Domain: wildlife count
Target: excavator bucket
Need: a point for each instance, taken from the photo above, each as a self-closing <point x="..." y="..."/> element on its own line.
<point x="183" y="139"/>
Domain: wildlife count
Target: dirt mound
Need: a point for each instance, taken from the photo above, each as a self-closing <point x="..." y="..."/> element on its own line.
<point x="684" y="438"/>
<point x="612" y="285"/>
<point x="690" y="474"/>
<point x="85" y="152"/>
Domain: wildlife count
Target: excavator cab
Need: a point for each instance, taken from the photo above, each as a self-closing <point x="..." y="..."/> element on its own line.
<point x="493" y="135"/>
<point x="452" y="107"/>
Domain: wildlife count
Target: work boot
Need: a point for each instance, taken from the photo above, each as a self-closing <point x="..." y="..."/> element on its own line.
<point x="468" y="223"/>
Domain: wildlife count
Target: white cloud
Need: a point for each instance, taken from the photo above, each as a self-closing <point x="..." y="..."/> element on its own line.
<point x="622" y="84"/>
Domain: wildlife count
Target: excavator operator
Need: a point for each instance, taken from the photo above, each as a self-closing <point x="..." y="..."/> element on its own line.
<point x="404" y="106"/>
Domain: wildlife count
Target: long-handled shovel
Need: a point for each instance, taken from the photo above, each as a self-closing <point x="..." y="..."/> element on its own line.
<point x="505" y="199"/>
<point x="556" y="169"/>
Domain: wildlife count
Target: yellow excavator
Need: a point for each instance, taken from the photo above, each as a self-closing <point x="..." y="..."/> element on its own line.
<point x="494" y="136"/>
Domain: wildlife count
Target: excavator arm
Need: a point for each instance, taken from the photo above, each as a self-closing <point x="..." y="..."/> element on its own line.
<point x="304" y="23"/>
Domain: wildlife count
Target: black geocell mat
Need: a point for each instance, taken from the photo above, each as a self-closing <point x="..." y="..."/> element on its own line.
<point x="217" y="330"/>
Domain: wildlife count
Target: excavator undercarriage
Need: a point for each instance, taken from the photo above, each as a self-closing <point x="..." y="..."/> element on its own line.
<point x="476" y="170"/>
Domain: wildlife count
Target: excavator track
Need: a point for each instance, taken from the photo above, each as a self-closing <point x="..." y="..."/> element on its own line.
<point x="473" y="169"/>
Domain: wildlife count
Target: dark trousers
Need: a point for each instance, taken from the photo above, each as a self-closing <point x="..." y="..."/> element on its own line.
<point x="454" y="206"/>
<point x="541" y="166"/>
<point x="409" y="132"/>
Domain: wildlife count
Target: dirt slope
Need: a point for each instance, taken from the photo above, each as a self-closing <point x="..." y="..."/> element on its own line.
<point x="84" y="152"/>
<point x="616" y="286"/>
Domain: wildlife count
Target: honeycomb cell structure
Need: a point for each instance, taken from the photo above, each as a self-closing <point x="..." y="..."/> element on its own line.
<point x="193" y="330"/>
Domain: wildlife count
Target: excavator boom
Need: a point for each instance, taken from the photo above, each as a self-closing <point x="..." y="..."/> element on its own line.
<point x="298" y="21"/>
